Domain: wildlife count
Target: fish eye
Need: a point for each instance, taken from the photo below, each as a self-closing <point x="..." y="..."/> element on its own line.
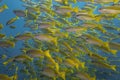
<point x="14" y="60"/>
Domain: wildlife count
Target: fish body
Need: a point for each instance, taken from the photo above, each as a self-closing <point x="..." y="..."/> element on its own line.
<point x="20" y="13"/>
<point x="24" y="36"/>
<point x="106" y="1"/>
<point x="7" y="44"/>
<point x="45" y="37"/>
<point x="104" y="65"/>
<point x="12" y="20"/>
<point x="5" y="77"/>
<point x="35" y="53"/>
<point x="84" y="76"/>
<point x="110" y="10"/>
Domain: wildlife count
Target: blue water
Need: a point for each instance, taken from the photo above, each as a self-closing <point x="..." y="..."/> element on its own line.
<point x="8" y="14"/>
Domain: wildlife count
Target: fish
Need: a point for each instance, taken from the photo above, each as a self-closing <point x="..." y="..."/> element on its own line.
<point x="88" y="17"/>
<point x="104" y="65"/>
<point x="94" y="40"/>
<point x="19" y="58"/>
<point x="50" y="73"/>
<point x="66" y="39"/>
<point x="20" y="13"/>
<point x="94" y="26"/>
<point x="109" y="10"/>
<point x="4" y="7"/>
<point x="46" y="37"/>
<point x="105" y="1"/>
<point x="84" y="76"/>
<point x="74" y="63"/>
<point x="46" y="25"/>
<point x="65" y="11"/>
<point x="7" y="43"/>
<point x="35" y="53"/>
<point x="12" y="20"/>
<point x="24" y="36"/>
<point x="76" y="29"/>
<point x="97" y="56"/>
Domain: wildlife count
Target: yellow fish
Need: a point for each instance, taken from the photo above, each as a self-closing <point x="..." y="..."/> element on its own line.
<point x="7" y="44"/>
<point x="12" y="20"/>
<point x="24" y="36"/>
<point x="47" y="38"/>
<point x="18" y="58"/>
<point x="104" y="65"/>
<point x="4" y="7"/>
<point x="110" y="10"/>
<point x="85" y="76"/>
<point x="35" y="53"/>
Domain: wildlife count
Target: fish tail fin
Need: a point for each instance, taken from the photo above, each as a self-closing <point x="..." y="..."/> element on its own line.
<point x="91" y="12"/>
<point x="97" y="18"/>
<point x="47" y="53"/>
<point x="114" y="67"/>
<point x="55" y="41"/>
<point x="62" y="75"/>
<point x="5" y="6"/>
<point x="58" y="24"/>
<point x="76" y="9"/>
<point x="66" y="35"/>
<point x="77" y="66"/>
<point x="83" y="64"/>
<point x="101" y="29"/>
<point x="113" y="52"/>
<point x="93" y="78"/>
<point x="106" y="44"/>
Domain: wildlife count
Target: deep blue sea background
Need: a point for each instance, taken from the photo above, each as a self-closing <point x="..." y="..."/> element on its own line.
<point x="8" y="14"/>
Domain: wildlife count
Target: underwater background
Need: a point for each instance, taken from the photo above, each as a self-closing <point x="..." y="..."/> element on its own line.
<point x="33" y="72"/>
